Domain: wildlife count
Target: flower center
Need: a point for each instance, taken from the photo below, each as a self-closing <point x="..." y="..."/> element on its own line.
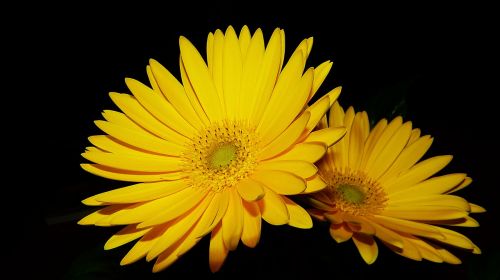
<point x="221" y="155"/>
<point x="355" y="193"/>
<point x="351" y="193"/>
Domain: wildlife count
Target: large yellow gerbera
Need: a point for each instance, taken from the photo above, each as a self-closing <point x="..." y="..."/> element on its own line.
<point x="377" y="188"/>
<point x="215" y="153"/>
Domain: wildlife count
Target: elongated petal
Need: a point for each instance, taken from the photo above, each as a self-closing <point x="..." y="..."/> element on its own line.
<point x="273" y="208"/>
<point x="130" y="176"/>
<point x="287" y="138"/>
<point x="300" y="168"/>
<point x="159" y="107"/>
<point x="133" y="109"/>
<point x="173" y="90"/>
<point x="250" y="190"/>
<point x="177" y="230"/>
<point x="299" y="217"/>
<point x="367" y="247"/>
<point x="201" y="82"/>
<point x="232" y="222"/>
<point x="142" y="192"/>
<point x="126" y="235"/>
<point x="218" y="251"/>
<point x="233" y="68"/>
<point x="280" y="182"/>
<point x="340" y="232"/>
<point x="310" y="152"/>
<point x="329" y="136"/>
<point x="251" y="224"/>
<point x="198" y="199"/>
<point x="144" y="163"/>
<point x="417" y="173"/>
<point x="436" y="185"/>
<point x="314" y="184"/>
<point x="142" y="247"/>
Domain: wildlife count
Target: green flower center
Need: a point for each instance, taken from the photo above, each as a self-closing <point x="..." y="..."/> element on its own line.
<point x="222" y="156"/>
<point x="351" y="193"/>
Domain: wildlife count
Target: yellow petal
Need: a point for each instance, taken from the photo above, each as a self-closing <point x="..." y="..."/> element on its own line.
<point x="130" y="176"/>
<point x="284" y="106"/>
<point x="94" y="217"/>
<point x="191" y="95"/>
<point x="408" y="157"/>
<point x="466" y="221"/>
<point x="173" y="90"/>
<point x="383" y="157"/>
<point x="356" y="142"/>
<point x="139" y="212"/>
<point x="317" y="110"/>
<point x="430" y="213"/>
<point x="435" y="185"/>
<point x="212" y="215"/>
<point x="198" y="199"/>
<point x="126" y="235"/>
<point x="367" y="247"/>
<point x="268" y="74"/>
<point x="329" y="136"/>
<point x="216" y="67"/>
<point x="340" y="232"/>
<point x="142" y="247"/>
<point x="159" y="107"/>
<point x="233" y="67"/>
<point x="244" y="40"/>
<point x="474" y="208"/>
<point x="170" y="255"/>
<point x="426" y="251"/>
<point x="142" y="192"/>
<point x="251" y="224"/>
<point x="358" y="224"/>
<point x="456" y="239"/>
<point x="417" y="173"/>
<point x="177" y="230"/>
<point x="280" y="182"/>
<point x="273" y="208"/>
<point x="232" y="222"/>
<point x="152" y="80"/>
<point x="299" y="217"/>
<point x="285" y="139"/>
<point x="302" y="169"/>
<point x="250" y="190"/>
<point x="251" y="69"/>
<point x="131" y="107"/>
<point x="310" y="152"/>
<point x="467" y="181"/>
<point x="410" y="227"/>
<point x="415" y="135"/>
<point x="320" y="204"/>
<point x="218" y="251"/>
<point x="386" y="234"/>
<point x="137" y="139"/>
<point x="200" y="80"/>
<point x="314" y="184"/>
<point x="446" y="255"/>
<point x="144" y="163"/>
<point x="320" y="74"/>
<point x="451" y="201"/>
<point x="123" y="120"/>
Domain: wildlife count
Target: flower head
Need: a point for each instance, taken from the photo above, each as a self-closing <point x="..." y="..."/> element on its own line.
<point x="378" y="188"/>
<point x="215" y="153"/>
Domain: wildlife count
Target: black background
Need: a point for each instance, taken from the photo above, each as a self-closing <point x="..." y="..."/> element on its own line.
<point x="433" y="62"/>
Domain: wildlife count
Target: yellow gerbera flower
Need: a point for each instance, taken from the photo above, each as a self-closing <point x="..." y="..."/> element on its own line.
<point x="377" y="188"/>
<point x="214" y="154"/>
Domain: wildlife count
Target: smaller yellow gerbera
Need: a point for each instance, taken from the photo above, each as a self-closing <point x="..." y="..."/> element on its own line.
<point x="378" y="187"/>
